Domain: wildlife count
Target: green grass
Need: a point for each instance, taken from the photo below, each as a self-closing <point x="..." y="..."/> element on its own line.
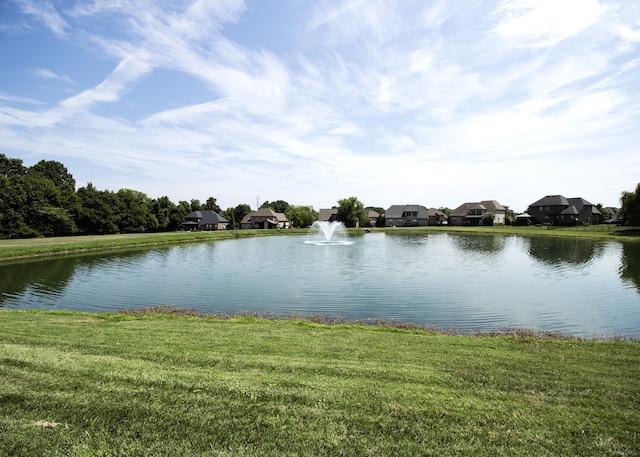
<point x="30" y="247"/>
<point x="84" y="384"/>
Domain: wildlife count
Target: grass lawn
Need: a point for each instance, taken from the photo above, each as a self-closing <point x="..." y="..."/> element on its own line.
<point x="84" y="384"/>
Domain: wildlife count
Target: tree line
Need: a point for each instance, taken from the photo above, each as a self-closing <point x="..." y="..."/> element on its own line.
<point x="42" y="200"/>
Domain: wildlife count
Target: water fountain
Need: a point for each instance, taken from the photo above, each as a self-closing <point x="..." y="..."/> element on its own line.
<point x="327" y="233"/>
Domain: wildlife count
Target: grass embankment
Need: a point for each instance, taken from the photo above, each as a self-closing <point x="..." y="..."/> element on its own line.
<point x="80" y="384"/>
<point x="33" y="247"/>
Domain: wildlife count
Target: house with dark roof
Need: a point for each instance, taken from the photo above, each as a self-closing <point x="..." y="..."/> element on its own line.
<point x="559" y="210"/>
<point x="204" y="220"/>
<point x="478" y="213"/>
<point x="406" y="216"/>
<point x="264" y="218"/>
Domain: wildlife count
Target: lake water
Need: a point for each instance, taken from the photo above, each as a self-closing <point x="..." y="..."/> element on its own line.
<point x="463" y="282"/>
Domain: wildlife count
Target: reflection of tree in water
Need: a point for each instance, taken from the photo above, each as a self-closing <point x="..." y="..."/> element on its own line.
<point x="51" y="276"/>
<point x="486" y="244"/>
<point x="559" y="251"/>
<point x="630" y="267"/>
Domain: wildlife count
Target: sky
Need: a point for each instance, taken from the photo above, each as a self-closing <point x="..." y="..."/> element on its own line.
<point x="424" y="102"/>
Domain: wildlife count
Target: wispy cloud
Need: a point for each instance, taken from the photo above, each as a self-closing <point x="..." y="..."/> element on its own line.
<point x="399" y="101"/>
<point x="45" y="13"/>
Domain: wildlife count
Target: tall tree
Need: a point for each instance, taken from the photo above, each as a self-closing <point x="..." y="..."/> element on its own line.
<point x="98" y="210"/>
<point x="279" y="206"/>
<point x="240" y="212"/>
<point x="351" y="212"/>
<point x="211" y="204"/>
<point x="301" y="216"/>
<point x="134" y="211"/>
<point x="11" y="167"/>
<point x="630" y="206"/>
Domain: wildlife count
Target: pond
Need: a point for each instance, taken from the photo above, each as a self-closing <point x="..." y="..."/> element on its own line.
<point x="451" y="281"/>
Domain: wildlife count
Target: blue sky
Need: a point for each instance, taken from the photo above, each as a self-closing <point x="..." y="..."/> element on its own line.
<point x="424" y="102"/>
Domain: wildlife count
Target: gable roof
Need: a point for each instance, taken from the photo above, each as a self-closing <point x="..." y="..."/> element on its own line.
<point x="491" y="206"/>
<point x="326" y="214"/>
<point x="265" y="212"/>
<point x="551" y="200"/>
<point x="396" y="211"/>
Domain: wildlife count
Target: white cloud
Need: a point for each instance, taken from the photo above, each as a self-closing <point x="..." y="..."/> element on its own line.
<point x="542" y="23"/>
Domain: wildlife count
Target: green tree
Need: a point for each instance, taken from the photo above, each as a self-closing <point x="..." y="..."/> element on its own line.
<point x="11" y="167"/>
<point x="211" y="204"/>
<point x="178" y="213"/>
<point x="98" y="211"/>
<point x="162" y="208"/>
<point x="488" y="218"/>
<point x="301" y="216"/>
<point x="240" y="212"/>
<point x="195" y="205"/>
<point x="134" y="211"/>
<point x="630" y="206"/>
<point x="279" y="206"/>
<point x="351" y="212"/>
<point x="604" y="212"/>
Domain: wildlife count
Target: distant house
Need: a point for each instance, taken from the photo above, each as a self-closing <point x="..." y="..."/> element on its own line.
<point x="406" y="216"/>
<point x="328" y="215"/>
<point x="373" y="216"/>
<point x="558" y="210"/>
<point x="477" y="213"/>
<point x="437" y="217"/>
<point x="264" y="218"/>
<point x="204" y="220"/>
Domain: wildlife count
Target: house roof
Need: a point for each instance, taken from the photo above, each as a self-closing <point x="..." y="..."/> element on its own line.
<point x="580" y="203"/>
<point x="571" y="210"/>
<point x="551" y="200"/>
<point x="396" y="211"/>
<point x="436" y="212"/>
<point x="204" y="217"/>
<point x="326" y="214"/>
<point x="265" y="212"/>
<point x="488" y="205"/>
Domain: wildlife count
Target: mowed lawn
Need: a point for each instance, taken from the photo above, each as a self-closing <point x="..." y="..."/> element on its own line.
<point x="85" y="384"/>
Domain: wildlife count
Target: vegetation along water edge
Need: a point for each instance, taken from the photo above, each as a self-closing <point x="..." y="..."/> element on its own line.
<point x="170" y="383"/>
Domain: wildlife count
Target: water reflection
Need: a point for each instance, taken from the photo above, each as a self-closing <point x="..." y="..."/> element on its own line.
<point x="482" y="244"/>
<point x="630" y="264"/>
<point x="48" y="278"/>
<point x="559" y="251"/>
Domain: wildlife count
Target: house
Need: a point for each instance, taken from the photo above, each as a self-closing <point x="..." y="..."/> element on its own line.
<point x="204" y="220"/>
<point x="436" y="217"/>
<point x="478" y="213"/>
<point x="264" y="218"/>
<point x="328" y="215"/>
<point x="406" y="216"/>
<point x="558" y="210"/>
<point x="373" y="216"/>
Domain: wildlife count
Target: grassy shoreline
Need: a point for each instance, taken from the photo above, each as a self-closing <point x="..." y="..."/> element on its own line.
<point x="81" y="384"/>
<point x="13" y="249"/>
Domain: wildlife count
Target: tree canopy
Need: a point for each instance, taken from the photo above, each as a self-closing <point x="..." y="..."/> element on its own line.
<point x="630" y="209"/>
<point x="351" y="212"/>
